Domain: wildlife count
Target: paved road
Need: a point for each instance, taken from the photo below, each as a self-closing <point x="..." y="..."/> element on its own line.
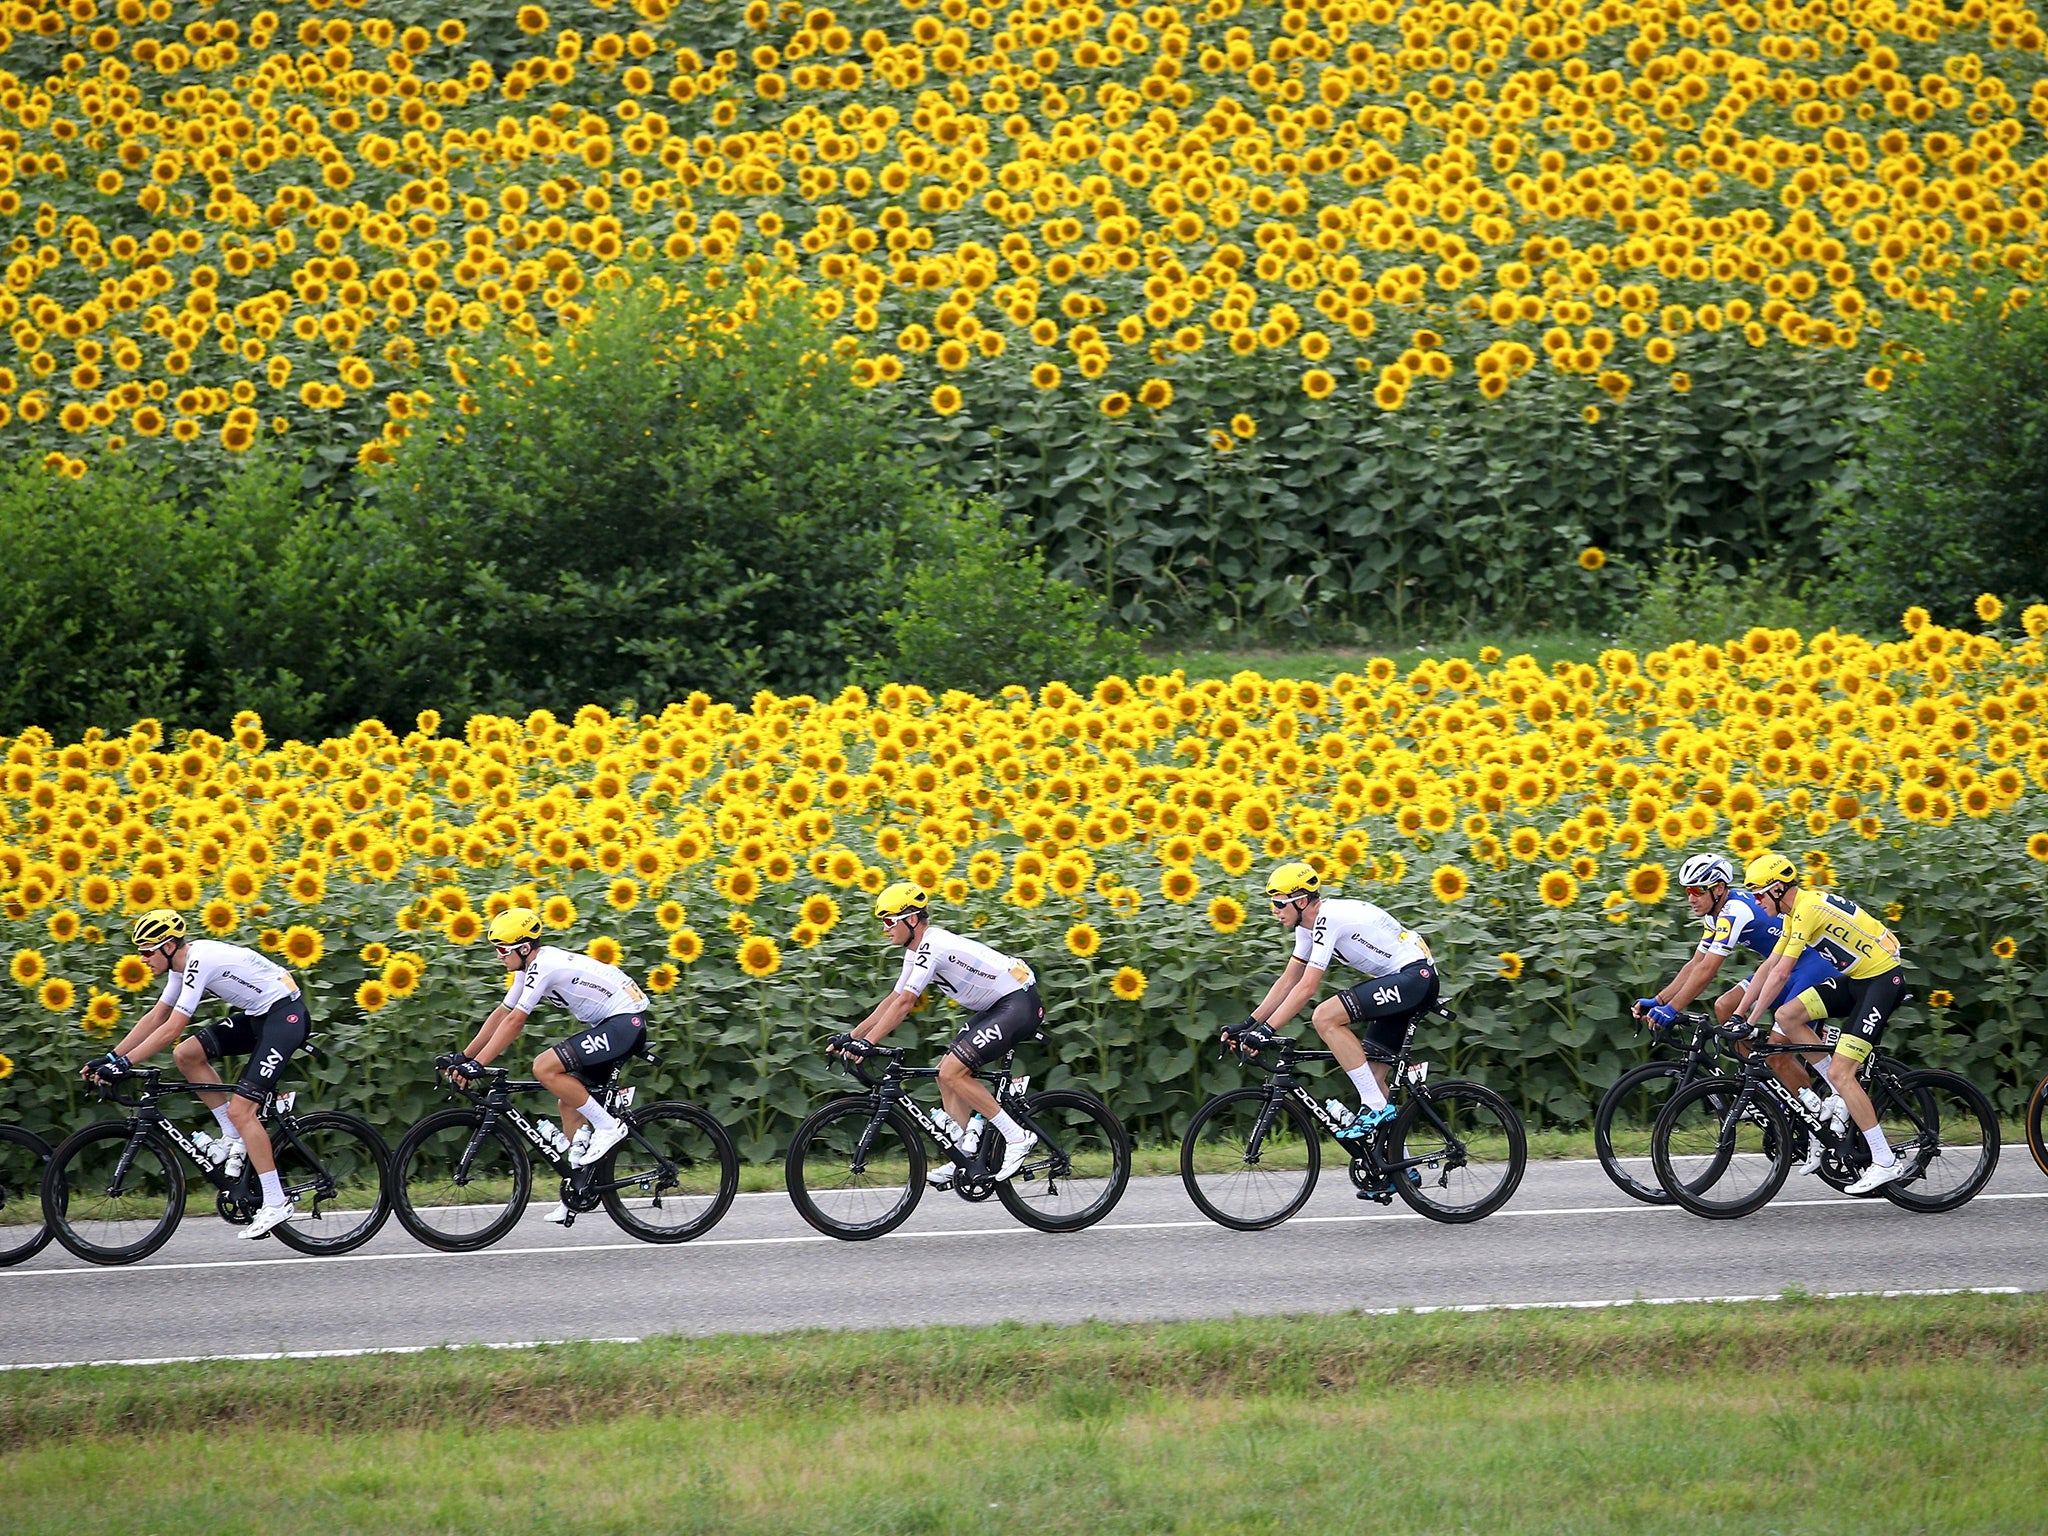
<point x="1568" y="1236"/>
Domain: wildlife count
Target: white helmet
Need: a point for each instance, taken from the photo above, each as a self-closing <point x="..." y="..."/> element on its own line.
<point x="1704" y="869"/>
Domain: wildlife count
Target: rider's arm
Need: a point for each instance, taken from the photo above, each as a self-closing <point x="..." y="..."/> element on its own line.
<point x="891" y="1011"/>
<point x="499" y="1031"/>
<point x="1307" y="979"/>
<point x="152" y="1032"/>
<point x="1692" y="979"/>
<point x="1765" y="986"/>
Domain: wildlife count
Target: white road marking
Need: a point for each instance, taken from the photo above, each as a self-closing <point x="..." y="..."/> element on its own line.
<point x="1423" y="1311"/>
<point x="1633" y="1208"/>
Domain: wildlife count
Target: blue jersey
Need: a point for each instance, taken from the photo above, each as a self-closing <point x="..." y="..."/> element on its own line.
<point x="1742" y="923"/>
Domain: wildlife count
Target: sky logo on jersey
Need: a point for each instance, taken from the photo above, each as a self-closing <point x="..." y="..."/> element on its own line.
<point x="594" y="1045"/>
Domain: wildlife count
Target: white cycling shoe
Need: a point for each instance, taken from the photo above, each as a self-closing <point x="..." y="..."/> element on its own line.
<point x="1875" y="1177"/>
<point x="601" y="1143"/>
<point x="1836" y="1108"/>
<point x="559" y="1215"/>
<point x="1014" y="1154"/>
<point x="941" y="1177"/>
<point x="269" y="1216"/>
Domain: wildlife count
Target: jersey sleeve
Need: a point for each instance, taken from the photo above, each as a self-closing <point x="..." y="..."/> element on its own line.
<point x="1714" y="938"/>
<point x="174" y="997"/>
<point x="1321" y="945"/>
<point x="1303" y="939"/>
<point x="1793" y="936"/>
<point x="524" y="995"/>
<point x="918" y="970"/>
<point x="1734" y="925"/>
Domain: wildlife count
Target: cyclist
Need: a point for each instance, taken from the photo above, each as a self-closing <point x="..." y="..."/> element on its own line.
<point x="1871" y="985"/>
<point x="602" y="998"/>
<point x="267" y="1020"/>
<point x="1732" y="919"/>
<point x="1401" y="984"/>
<point x="1000" y="994"/>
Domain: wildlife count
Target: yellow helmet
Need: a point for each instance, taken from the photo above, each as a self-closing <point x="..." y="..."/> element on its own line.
<point x="156" y="927"/>
<point x="904" y="896"/>
<point x="515" y="925"/>
<point x="1770" y="869"/>
<point x="1292" y="878"/>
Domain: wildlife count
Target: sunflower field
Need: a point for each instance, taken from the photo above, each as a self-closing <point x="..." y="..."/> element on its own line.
<point x="1528" y="822"/>
<point x="1253" y="307"/>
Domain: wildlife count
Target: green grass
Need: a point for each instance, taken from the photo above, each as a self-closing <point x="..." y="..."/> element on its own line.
<point x="1857" y="1417"/>
<point x="1322" y="663"/>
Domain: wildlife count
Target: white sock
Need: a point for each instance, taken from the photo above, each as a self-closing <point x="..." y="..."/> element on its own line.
<point x="227" y="1123"/>
<point x="1368" y="1087"/>
<point x="1012" y="1131"/>
<point x="1821" y="1067"/>
<point x="600" y="1118"/>
<point x="273" y="1187"/>
<point x="1880" y="1149"/>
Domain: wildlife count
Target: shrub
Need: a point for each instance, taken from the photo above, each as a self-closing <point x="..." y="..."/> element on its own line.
<point x="1946" y="494"/>
<point x="979" y="612"/>
<point x="680" y="495"/>
<point x="1692" y="596"/>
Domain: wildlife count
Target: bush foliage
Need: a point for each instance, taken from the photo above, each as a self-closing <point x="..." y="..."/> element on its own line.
<point x="1945" y="493"/>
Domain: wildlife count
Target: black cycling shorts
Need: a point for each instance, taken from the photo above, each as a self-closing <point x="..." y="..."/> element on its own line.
<point x="591" y="1053"/>
<point x="1836" y="995"/>
<point x="999" y="1028"/>
<point x="268" y="1039"/>
<point x="1389" y="1007"/>
<point x="1871" y="1003"/>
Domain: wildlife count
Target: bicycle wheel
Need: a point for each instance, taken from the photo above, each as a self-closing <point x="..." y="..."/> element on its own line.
<point x="1622" y="1125"/>
<point x="337" y="1168"/>
<point x="852" y="1176"/>
<point x="23" y="1232"/>
<point x="1944" y="1128"/>
<point x="457" y="1187"/>
<point x="1076" y="1174"/>
<point x="1720" y="1150"/>
<point x="114" y="1192"/>
<point x="1467" y="1144"/>
<point x="673" y="1178"/>
<point x="2037" y="1125"/>
<point x="1250" y="1161"/>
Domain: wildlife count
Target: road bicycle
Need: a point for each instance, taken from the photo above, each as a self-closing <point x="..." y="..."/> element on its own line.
<point x="1454" y="1151"/>
<point x="23" y="1232"/>
<point x="463" y="1175"/>
<point x="114" y="1192"/>
<point x="856" y="1167"/>
<point x="2037" y="1125"/>
<point x="1628" y="1111"/>
<point x="1723" y="1146"/>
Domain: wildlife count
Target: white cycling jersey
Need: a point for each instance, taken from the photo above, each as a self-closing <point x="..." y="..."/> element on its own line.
<point x="589" y="989"/>
<point x="246" y="981"/>
<point x="967" y="970"/>
<point x="1364" y="937"/>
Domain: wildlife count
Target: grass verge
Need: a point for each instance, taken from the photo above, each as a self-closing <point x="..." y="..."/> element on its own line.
<point x="1857" y="1416"/>
<point x="1287" y="1356"/>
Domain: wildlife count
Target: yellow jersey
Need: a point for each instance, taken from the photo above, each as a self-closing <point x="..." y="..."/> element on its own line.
<point x="1857" y="944"/>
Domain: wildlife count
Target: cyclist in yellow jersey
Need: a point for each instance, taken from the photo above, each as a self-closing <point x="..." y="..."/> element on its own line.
<point x="1868" y="955"/>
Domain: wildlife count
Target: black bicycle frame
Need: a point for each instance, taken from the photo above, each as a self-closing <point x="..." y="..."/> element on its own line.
<point x="146" y="1114"/>
<point x="1281" y="1079"/>
<point x="888" y="1090"/>
<point x="495" y="1101"/>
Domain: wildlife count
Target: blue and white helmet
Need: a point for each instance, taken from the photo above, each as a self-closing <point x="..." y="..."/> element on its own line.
<point x="1705" y="869"/>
